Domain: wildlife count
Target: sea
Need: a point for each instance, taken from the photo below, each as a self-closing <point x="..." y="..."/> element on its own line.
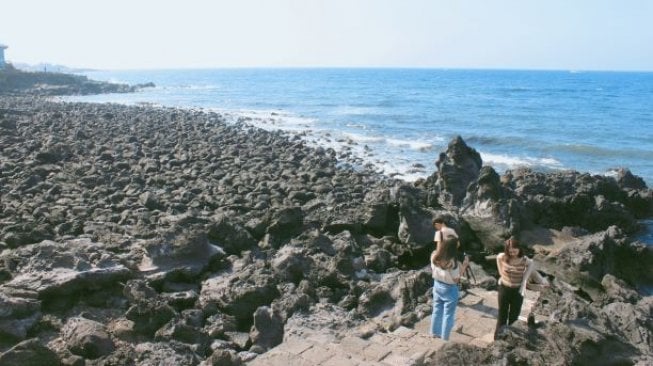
<point x="397" y="121"/>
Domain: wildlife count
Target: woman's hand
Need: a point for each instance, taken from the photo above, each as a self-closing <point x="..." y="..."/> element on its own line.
<point x="465" y="264"/>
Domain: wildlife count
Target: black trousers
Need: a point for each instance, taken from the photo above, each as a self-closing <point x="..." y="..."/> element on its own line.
<point x="510" y="302"/>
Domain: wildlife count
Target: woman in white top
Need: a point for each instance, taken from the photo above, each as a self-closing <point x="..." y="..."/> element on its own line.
<point x="446" y="274"/>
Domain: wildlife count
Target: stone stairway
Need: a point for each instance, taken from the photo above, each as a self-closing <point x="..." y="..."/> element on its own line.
<point x="475" y="322"/>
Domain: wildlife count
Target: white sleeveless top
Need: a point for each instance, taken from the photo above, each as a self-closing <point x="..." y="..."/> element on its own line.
<point x="448" y="276"/>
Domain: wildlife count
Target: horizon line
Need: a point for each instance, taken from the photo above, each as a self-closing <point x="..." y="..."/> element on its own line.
<point x="327" y="67"/>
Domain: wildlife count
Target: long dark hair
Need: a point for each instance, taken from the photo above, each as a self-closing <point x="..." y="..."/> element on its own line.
<point x="448" y="252"/>
<point x="512" y="242"/>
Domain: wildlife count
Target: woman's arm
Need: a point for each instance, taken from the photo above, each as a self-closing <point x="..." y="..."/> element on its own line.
<point x="461" y="270"/>
<point x="500" y="263"/>
<point x="537" y="277"/>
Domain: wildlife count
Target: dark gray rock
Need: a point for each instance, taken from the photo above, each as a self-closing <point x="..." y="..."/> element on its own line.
<point x="626" y="179"/>
<point x="458" y="167"/>
<point x="87" y="338"/>
<point x="181" y="331"/>
<point x="558" y="343"/>
<point x="267" y="331"/>
<point x="180" y="251"/>
<point x="291" y="264"/>
<point x="139" y="291"/>
<point x="170" y="353"/>
<point x="632" y="322"/>
<point x="492" y="212"/>
<point x="222" y="357"/>
<point x="584" y="263"/>
<point x="232" y="238"/>
<point x="149" y="316"/>
<point x="573" y="199"/>
<point x="239" y="294"/>
<point x="286" y="222"/>
<point x="242" y="340"/>
<point x="617" y="290"/>
<point x="379" y="259"/>
<point x="293" y="298"/>
<point x="29" y="353"/>
<point x="218" y="324"/>
<point x="51" y="270"/>
<point x="19" y="329"/>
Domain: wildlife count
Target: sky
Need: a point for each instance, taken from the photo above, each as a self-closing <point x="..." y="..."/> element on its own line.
<point x="480" y="34"/>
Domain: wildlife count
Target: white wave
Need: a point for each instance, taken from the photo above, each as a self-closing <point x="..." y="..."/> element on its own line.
<point x="403" y="169"/>
<point x="510" y="162"/>
<point x="198" y="87"/>
<point x="355" y="111"/>
<point x="356" y="125"/>
<point x="269" y="119"/>
<point x="415" y="145"/>
<point x="362" y="138"/>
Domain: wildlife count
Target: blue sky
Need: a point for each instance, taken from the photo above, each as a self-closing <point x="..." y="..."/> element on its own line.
<point x="513" y="34"/>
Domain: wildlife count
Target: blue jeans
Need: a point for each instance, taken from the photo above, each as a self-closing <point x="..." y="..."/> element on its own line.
<point x="445" y="300"/>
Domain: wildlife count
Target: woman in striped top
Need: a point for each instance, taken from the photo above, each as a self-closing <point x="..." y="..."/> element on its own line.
<point x="515" y="269"/>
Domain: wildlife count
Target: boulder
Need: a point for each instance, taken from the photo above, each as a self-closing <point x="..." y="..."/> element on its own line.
<point x="87" y="338"/>
<point x="379" y="259"/>
<point x="291" y="264"/>
<point x="396" y="295"/>
<point x="52" y="270"/>
<point x="218" y="324"/>
<point x="491" y="211"/>
<point x="572" y="343"/>
<point x="569" y="198"/>
<point x="583" y="263"/>
<point x="267" y="331"/>
<point x="18" y="315"/>
<point x="181" y="331"/>
<point x="239" y="294"/>
<point x="149" y="316"/>
<point x="627" y="180"/>
<point x="617" y="290"/>
<point x="182" y="251"/>
<point x="458" y="167"/>
<point x="632" y="322"/>
<point x="286" y="222"/>
<point x="29" y="353"/>
<point x="223" y="357"/>
<point x="381" y="219"/>
<point x="168" y="353"/>
<point x="293" y="298"/>
<point x="231" y="237"/>
<point x="139" y="291"/>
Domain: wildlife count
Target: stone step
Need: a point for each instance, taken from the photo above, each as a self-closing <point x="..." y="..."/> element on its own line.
<point x="475" y="323"/>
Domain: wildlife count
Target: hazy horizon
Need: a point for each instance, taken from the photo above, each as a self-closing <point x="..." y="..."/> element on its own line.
<point x="582" y="35"/>
<point x="92" y="69"/>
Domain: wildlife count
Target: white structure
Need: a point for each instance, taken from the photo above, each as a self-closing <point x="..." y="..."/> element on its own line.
<point x="2" y="56"/>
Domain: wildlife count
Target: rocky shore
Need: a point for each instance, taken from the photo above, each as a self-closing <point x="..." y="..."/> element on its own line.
<point x="155" y="236"/>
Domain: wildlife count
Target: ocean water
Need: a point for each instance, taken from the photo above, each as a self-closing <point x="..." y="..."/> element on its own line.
<point x="399" y="120"/>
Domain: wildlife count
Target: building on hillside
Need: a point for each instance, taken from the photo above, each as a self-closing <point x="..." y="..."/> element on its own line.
<point x="2" y="56"/>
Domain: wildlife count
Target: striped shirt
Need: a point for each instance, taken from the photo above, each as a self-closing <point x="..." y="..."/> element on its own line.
<point x="511" y="273"/>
